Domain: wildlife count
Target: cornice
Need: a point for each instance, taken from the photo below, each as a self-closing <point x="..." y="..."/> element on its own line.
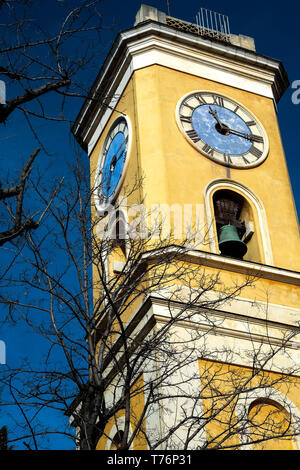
<point x="153" y="309"/>
<point x="121" y="63"/>
<point x="249" y="268"/>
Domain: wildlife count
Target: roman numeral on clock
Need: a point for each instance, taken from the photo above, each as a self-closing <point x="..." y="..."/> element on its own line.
<point x="188" y="106"/>
<point x="257" y="138"/>
<point x="227" y="159"/>
<point x="186" y="118"/>
<point x="245" y="160"/>
<point x="200" y="99"/>
<point x="255" y="151"/>
<point x="193" y="135"/>
<point x="218" y="100"/>
<point x="207" y="149"/>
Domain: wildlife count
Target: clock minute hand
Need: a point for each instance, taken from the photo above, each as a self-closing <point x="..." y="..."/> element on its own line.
<point x="115" y="158"/>
<point x="241" y="134"/>
<point x="120" y="148"/>
<point x="113" y="163"/>
<point x="111" y="170"/>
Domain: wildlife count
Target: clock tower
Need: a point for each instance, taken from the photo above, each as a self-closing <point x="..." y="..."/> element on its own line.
<point x="190" y="113"/>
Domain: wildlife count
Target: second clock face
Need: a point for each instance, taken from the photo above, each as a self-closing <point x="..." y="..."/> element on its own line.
<point x="111" y="163"/>
<point x="222" y="129"/>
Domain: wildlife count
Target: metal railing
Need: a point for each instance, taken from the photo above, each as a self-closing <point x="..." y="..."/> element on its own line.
<point x="208" y="24"/>
<point x="213" y="24"/>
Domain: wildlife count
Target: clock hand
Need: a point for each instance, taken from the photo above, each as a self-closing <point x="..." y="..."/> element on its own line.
<point x="113" y="163"/>
<point x="215" y="115"/>
<point x="226" y="128"/>
<point x="108" y="180"/>
<point x="241" y="134"/>
<point x="115" y="159"/>
<point x="120" y="148"/>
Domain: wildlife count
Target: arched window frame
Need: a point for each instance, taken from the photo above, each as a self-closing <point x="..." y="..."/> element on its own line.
<point x="264" y="394"/>
<point x="121" y="217"/>
<point x="255" y="203"/>
<point x="118" y="426"/>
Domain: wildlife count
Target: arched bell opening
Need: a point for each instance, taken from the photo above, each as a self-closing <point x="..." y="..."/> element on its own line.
<point x="119" y="240"/>
<point x="237" y="237"/>
<point x="116" y="243"/>
<point x="118" y="234"/>
<point x="230" y="228"/>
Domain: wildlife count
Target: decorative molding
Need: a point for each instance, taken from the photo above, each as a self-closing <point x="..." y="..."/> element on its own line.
<point x="249" y="268"/>
<point x="231" y="333"/>
<point x="234" y="310"/>
<point x="154" y="310"/>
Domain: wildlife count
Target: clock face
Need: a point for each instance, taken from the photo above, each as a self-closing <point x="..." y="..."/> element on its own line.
<point x="222" y="129"/>
<point x="111" y="163"/>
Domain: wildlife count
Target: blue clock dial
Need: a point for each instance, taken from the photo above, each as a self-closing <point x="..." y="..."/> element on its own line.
<point x="222" y="130"/>
<point x="207" y="128"/>
<point x="111" y="164"/>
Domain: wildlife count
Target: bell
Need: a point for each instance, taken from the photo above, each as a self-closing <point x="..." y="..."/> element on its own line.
<point x="230" y="243"/>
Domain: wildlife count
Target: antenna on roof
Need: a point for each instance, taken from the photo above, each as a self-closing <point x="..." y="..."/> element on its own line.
<point x="213" y="24"/>
<point x="168" y="7"/>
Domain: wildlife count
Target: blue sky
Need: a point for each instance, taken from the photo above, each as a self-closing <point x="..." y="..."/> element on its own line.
<point x="276" y="31"/>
